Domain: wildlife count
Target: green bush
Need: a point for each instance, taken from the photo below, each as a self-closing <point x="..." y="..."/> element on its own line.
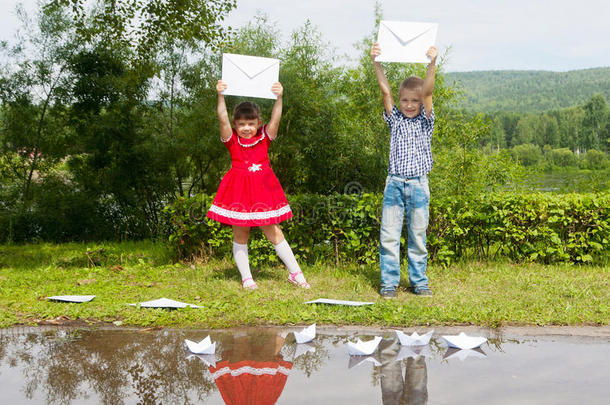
<point x="562" y="157"/>
<point x="595" y="160"/>
<point x="527" y="154"/>
<point x="533" y="227"/>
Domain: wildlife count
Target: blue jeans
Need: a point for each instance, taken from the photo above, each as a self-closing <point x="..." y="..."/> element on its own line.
<point x="401" y="197"/>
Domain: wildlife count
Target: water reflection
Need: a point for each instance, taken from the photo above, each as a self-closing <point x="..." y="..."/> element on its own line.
<point x="398" y="387"/>
<point x="266" y="366"/>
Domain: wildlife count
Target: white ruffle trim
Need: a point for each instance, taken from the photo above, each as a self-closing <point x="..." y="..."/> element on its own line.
<point x="249" y="215"/>
<point x="250" y="370"/>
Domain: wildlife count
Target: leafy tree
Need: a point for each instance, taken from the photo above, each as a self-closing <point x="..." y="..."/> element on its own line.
<point x="147" y="25"/>
<point x="595" y="122"/>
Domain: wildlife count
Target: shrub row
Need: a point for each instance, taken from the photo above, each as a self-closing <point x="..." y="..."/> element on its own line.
<point x="533" y="227"/>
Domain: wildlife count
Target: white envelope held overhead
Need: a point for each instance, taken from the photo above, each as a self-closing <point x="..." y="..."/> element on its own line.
<point x="306" y="335"/>
<point x="402" y="41"/>
<point x="249" y="76"/>
<point x="204" y="347"/>
<point x="361" y="348"/>
<point x="414" y="339"/>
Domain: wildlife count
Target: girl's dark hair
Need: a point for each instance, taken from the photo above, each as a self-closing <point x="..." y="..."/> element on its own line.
<point x="247" y="110"/>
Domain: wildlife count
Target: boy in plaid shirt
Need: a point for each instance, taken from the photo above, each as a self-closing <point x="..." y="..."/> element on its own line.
<point x="406" y="191"/>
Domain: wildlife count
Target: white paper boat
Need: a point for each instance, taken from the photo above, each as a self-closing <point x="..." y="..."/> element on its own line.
<point x="306" y="335"/>
<point x="304" y="348"/>
<point x="208" y="359"/>
<point x="204" y="347"/>
<point x="463" y="354"/>
<point x="361" y="348"/>
<point x="412" y="351"/>
<point x="355" y="361"/>
<point x="164" y="303"/>
<point x="463" y="341"/>
<point x="339" y="302"/>
<point x="72" y="298"/>
<point x="414" y="339"/>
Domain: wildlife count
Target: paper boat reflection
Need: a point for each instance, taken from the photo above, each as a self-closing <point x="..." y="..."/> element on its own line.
<point x="304" y="348"/>
<point x="463" y="354"/>
<point x="355" y="361"/>
<point x="412" y="351"/>
<point x="208" y="359"/>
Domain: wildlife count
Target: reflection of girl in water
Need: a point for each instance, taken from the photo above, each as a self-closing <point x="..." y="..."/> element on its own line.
<point x="252" y="370"/>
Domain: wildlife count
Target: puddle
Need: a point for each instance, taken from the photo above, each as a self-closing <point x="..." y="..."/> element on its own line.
<point x="260" y="366"/>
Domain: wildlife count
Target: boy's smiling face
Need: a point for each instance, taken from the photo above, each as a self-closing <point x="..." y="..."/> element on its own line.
<point x="247" y="128"/>
<point x="410" y="102"/>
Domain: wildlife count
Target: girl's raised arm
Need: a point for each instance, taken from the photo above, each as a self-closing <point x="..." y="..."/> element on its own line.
<point x="223" y="116"/>
<point x="276" y="113"/>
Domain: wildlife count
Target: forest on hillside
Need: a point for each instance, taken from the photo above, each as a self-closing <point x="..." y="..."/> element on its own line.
<point x="529" y="91"/>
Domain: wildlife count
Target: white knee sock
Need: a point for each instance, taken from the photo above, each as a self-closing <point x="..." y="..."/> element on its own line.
<point x="240" y="254"/>
<point x="284" y="251"/>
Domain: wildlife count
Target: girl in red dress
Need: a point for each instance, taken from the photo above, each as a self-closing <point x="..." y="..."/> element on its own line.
<point x="249" y="193"/>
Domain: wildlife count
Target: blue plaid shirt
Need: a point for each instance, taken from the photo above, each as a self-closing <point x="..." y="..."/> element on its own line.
<point x="410" y="143"/>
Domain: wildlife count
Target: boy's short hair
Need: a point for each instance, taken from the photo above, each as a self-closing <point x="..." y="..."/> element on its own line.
<point x="412" y="83"/>
<point x="247" y="110"/>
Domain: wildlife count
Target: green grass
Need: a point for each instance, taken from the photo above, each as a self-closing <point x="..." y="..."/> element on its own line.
<point x="491" y="294"/>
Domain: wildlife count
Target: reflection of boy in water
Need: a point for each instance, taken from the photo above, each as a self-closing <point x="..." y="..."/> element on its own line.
<point x="252" y="370"/>
<point x="395" y="390"/>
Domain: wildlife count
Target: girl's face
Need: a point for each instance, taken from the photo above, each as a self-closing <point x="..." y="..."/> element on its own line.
<point x="247" y="128"/>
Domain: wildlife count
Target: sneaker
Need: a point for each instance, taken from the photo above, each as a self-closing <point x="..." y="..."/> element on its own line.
<point x="423" y="291"/>
<point x="388" y="294"/>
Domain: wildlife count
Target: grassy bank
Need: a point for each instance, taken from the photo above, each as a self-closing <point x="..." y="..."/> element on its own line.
<point x="471" y="293"/>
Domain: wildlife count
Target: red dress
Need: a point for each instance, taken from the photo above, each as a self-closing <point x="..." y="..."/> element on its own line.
<point x="249" y="193"/>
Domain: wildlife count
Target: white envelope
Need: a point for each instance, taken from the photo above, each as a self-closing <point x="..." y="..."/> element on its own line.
<point x="164" y="303"/>
<point x="402" y="41"/>
<point x="72" y="298"/>
<point x="249" y="76"/>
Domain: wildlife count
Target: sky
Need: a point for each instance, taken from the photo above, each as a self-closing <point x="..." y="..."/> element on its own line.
<point x="556" y="35"/>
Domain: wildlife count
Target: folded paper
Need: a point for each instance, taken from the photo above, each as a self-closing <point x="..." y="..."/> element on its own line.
<point x="208" y="359"/>
<point x="164" y="303"/>
<point x="72" y="298"/>
<point x="463" y="354"/>
<point x="463" y="341"/>
<point x="249" y="76"/>
<point x="339" y="302"/>
<point x="403" y="41"/>
<point x="355" y="361"/>
<point x="306" y="335"/>
<point x="203" y="347"/>
<point x="414" y="339"/>
<point x="360" y="348"/>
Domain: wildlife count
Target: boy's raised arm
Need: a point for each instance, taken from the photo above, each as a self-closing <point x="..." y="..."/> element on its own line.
<point x="223" y="116"/>
<point x="276" y="113"/>
<point x="428" y="88"/>
<point x="386" y="90"/>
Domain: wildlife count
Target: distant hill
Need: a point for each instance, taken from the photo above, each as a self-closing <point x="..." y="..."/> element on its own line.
<point x="529" y="90"/>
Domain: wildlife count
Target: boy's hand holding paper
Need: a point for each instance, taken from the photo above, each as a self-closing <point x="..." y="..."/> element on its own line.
<point x="250" y="76"/>
<point x="403" y="41"/>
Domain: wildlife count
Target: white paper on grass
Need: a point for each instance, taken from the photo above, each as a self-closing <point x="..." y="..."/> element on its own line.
<point x="203" y="347"/>
<point x="164" y="303"/>
<point x="208" y="359"/>
<point x="405" y="41"/>
<point x="306" y="335"/>
<point x="339" y="302"/>
<point x="360" y="348"/>
<point x="249" y="76"/>
<point x="72" y="298"/>
<point x="463" y="341"/>
<point x="463" y="354"/>
<point x="412" y="351"/>
<point x="304" y="348"/>
<point x="355" y="361"/>
<point x="414" y="339"/>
